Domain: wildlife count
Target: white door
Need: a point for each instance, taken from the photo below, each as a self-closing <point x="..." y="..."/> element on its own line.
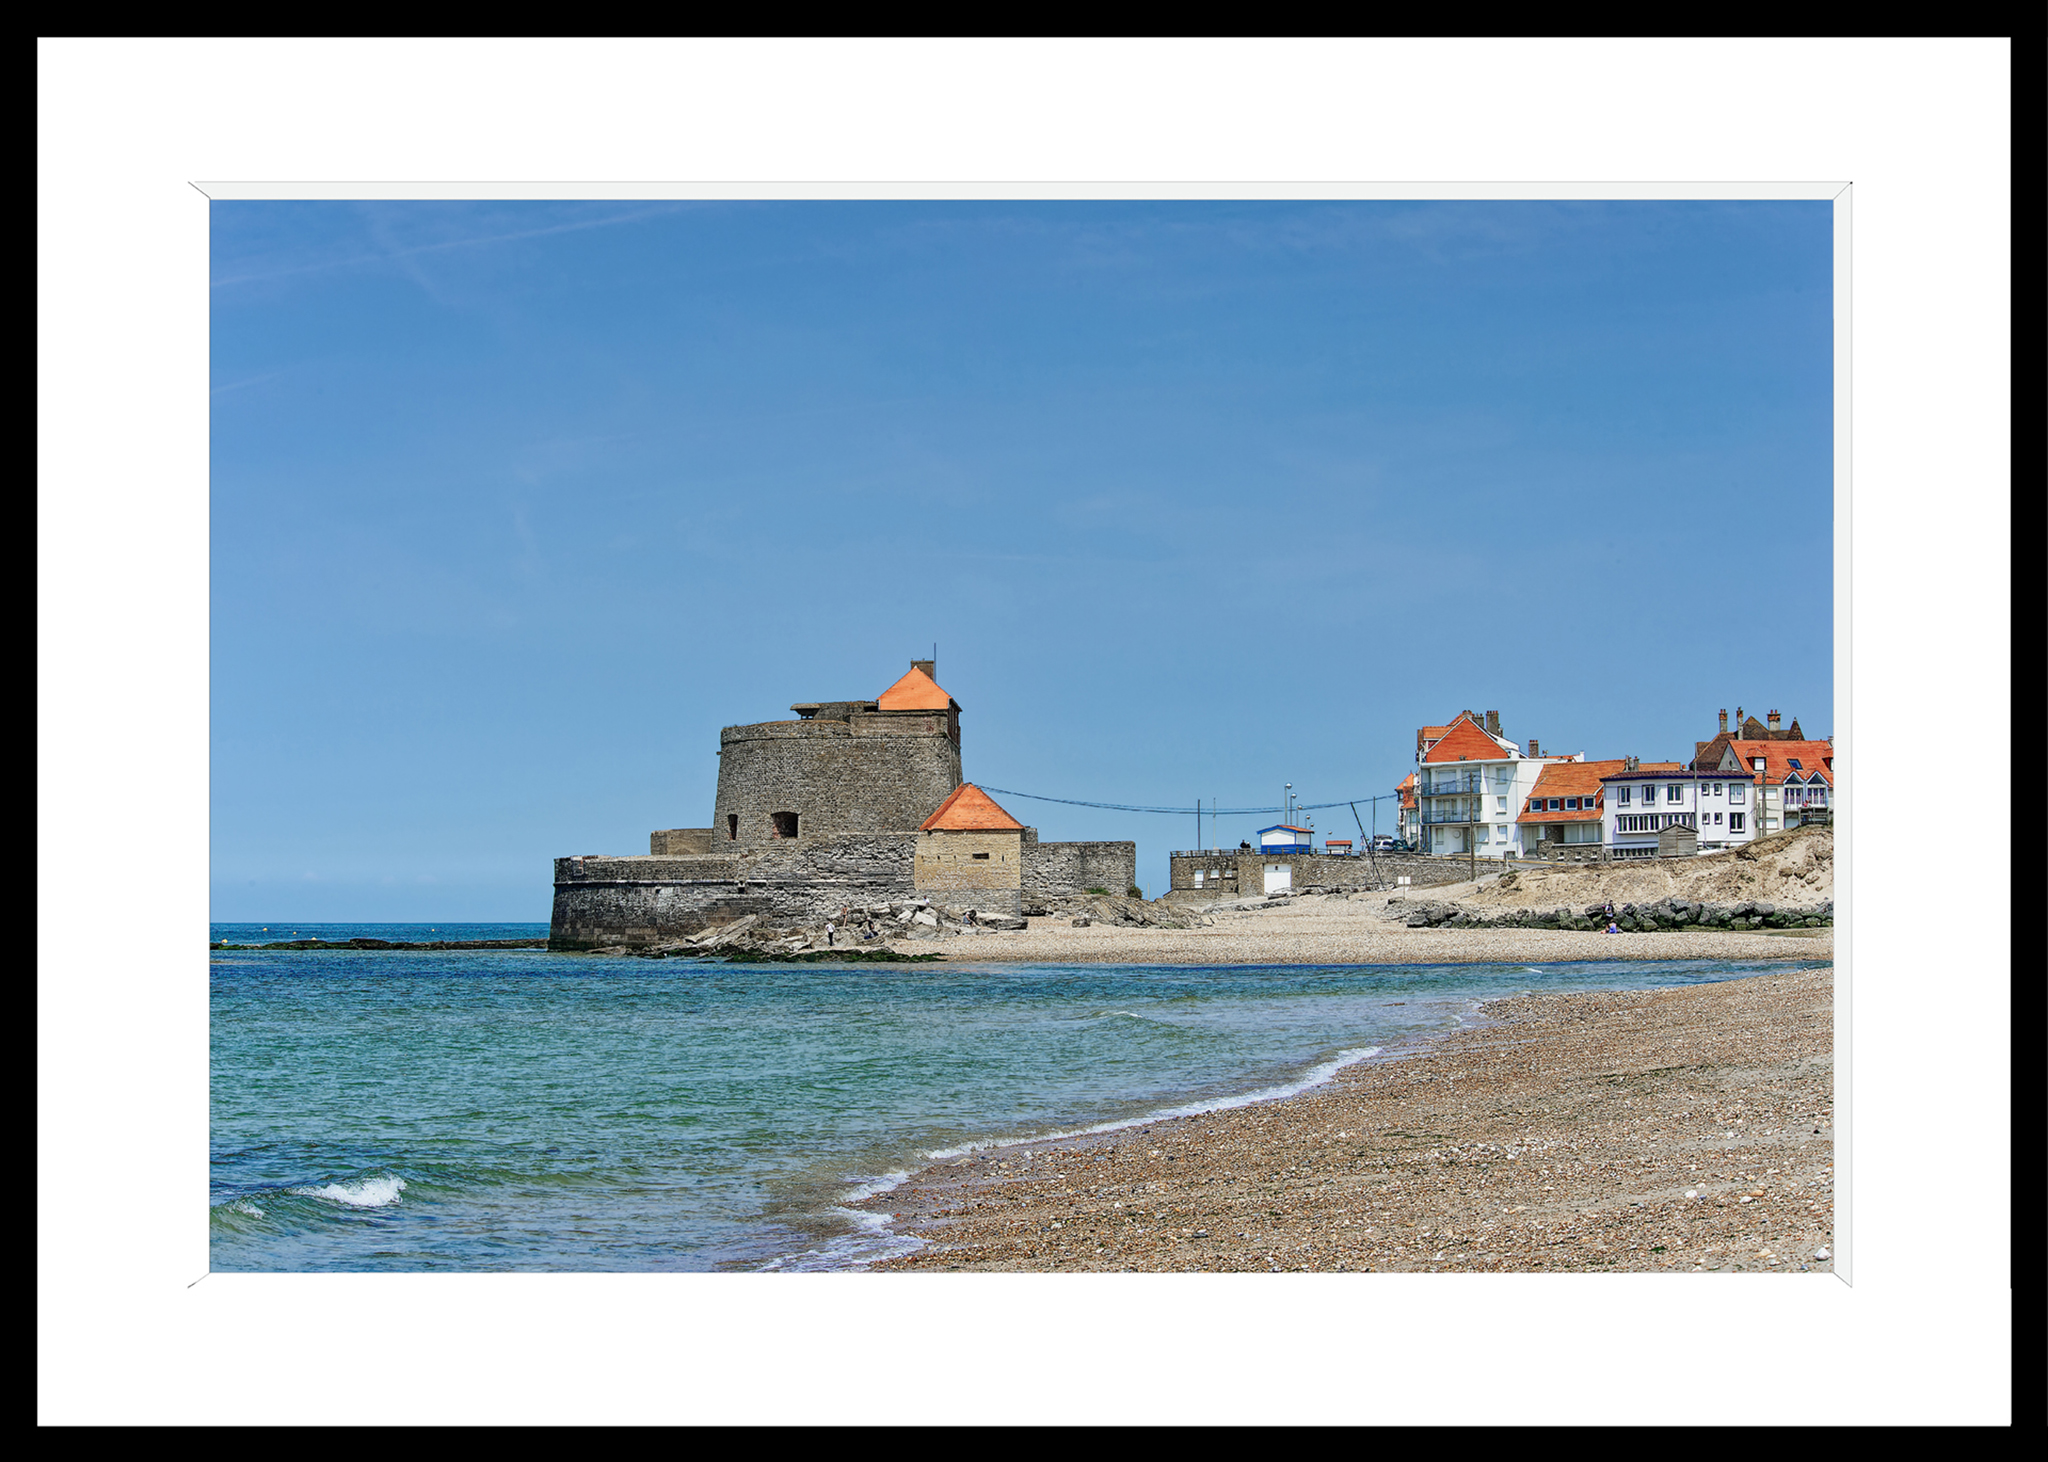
<point x="1279" y="876"/>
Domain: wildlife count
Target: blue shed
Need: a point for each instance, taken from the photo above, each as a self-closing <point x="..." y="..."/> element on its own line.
<point x="1284" y="838"/>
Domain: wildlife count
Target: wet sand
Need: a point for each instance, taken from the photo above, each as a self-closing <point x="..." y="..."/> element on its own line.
<point x="1688" y="1129"/>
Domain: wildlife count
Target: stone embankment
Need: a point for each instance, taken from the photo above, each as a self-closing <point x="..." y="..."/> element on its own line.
<point x="1669" y="913"/>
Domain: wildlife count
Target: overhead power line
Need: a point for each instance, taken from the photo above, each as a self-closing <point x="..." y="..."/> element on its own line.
<point x="1189" y="810"/>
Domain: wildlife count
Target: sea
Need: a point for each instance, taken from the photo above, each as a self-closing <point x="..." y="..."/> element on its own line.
<point x="521" y="1110"/>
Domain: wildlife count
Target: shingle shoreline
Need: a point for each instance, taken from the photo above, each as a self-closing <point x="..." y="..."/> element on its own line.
<point x="1565" y="1134"/>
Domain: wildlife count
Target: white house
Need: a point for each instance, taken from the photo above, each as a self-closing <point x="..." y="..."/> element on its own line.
<point x="1285" y="838"/>
<point x="1641" y="799"/>
<point x="1471" y="784"/>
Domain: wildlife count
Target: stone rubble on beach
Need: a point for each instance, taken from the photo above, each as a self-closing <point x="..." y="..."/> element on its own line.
<point x="1669" y="913"/>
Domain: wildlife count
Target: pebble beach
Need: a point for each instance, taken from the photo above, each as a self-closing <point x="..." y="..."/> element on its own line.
<point x="1681" y="1129"/>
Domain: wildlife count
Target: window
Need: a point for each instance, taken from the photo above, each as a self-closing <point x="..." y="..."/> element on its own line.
<point x="1717" y="819"/>
<point x="1756" y="764"/>
<point x="1735" y="822"/>
<point x="1717" y="789"/>
<point x="1735" y="792"/>
<point x="1622" y="797"/>
<point x="1556" y="805"/>
<point x="981" y="857"/>
<point x="1674" y="793"/>
<point x="732" y="826"/>
<point x="1500" y="804"/>
<point x="784" y="824"/>
<point x="1793" y="762"/>
<point x="1571" y="804"/>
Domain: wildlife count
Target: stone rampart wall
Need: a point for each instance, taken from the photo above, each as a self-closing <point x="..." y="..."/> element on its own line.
<point x="1313" y="870"/>
<point x="1063" y="870"/>
<point x="648" y="900"/>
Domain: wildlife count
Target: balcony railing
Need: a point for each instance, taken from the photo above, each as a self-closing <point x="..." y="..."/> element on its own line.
<point x="1435" y="819"/>
<point x="1455" y="787"/>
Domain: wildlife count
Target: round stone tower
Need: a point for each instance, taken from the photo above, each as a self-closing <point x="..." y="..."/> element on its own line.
<point x="840" y="767"/>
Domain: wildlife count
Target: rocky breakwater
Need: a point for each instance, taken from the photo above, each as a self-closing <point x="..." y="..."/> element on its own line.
<point x="1114" y="911"/>
<point x="1629" y="918"/>
<point x="866" y="933"/>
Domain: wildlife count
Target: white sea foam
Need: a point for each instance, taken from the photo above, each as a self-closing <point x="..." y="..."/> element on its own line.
<point x="243" y="1205"/>
<point x="869" y="1187"/>
<point x="1314" y="1076"/>
<point x="849" y="1251"/>
<point x="364" y="1193"/>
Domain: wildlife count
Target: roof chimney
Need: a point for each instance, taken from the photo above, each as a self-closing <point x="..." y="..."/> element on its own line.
<point x="1724" y="720"/>
<point x="1773" y="717"/>
<point x="1493" y="723"/>
<point x="929" y="667"/>
<point x="1532" y="747"/>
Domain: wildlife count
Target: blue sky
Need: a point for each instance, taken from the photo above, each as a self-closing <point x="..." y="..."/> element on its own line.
<point x="514" y="505"/>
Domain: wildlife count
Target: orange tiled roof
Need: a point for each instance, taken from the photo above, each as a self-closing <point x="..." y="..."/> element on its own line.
<point x="1466" y="739"/>
<point x="969" y="809"/>
<point x="916" y="691"/>
<point x="1813" y="757"/>
<point x="1581" y="779"/>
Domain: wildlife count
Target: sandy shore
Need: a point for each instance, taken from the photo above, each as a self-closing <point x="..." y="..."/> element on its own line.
<point x="1687" y="1129"/>
<point x="1354" y="930"/>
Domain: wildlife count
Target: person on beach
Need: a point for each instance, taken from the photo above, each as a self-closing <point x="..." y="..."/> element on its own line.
<point x="828" y="933"/>
<point x="1612" y="927"/>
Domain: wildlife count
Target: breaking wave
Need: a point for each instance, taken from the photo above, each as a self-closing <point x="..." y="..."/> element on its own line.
<point x="363" y="1193"/>
<point x="1314" y="1076"/>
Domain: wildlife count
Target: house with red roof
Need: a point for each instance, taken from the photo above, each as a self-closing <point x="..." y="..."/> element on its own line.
<point x="1791" y="782"/>
<point x="1564" y="808"/>
<point x="1471" y="783"/>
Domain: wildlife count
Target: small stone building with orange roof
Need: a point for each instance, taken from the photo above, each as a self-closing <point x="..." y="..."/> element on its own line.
<point x="971" y="851"/>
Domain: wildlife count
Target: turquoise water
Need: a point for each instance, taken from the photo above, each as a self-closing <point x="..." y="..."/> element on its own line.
<point x="525" y="1110"/>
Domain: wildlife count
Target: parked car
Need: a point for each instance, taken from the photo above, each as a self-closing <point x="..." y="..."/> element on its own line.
<point x="1384" y="843"/>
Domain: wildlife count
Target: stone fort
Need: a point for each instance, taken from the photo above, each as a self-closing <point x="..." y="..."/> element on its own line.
<point x="853" y="803"/>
